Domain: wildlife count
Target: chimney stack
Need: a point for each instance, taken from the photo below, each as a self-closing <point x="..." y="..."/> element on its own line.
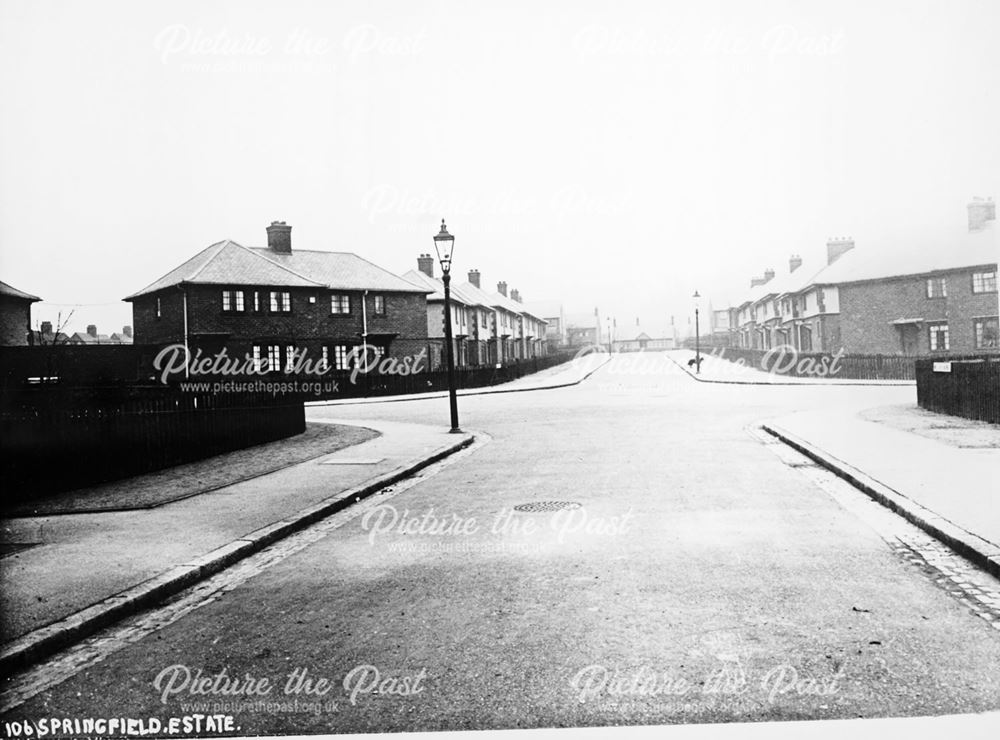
<point x="980" y="211"/>
<point x="794" y="263"/>
<point x="46" y="327"/>
<point x="754" y="282"/>
<point x="515" y="295"/>
<point x="92" y="330"/>
<point x="127" y="331"/>
<point x="425" y="263"/>
<point x="836" y="247"/>
<point x="768" y="275"/>
<point x="474" y="277"/>
<point x="279" y="237"/>
<point x="502" y="288"/>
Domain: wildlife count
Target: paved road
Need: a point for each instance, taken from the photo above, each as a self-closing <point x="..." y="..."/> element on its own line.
<point x="702" y="578"/>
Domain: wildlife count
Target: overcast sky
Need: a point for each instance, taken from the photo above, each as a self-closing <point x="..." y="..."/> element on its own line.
<point x="618" y="154"/>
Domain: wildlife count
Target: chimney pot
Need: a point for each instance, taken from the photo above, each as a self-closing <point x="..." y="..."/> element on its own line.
<point x="279" y="237"/>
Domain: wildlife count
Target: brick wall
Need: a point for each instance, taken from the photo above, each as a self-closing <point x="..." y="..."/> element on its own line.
<point x="15" y="316"/>
<point x="867" y="310"/>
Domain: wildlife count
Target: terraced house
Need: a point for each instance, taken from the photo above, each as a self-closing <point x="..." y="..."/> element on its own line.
<point x="270" y="303"/>
<point x="914" y="299"/>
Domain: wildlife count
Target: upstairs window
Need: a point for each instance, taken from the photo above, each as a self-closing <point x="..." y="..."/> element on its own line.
<point x="937" y="288"/>
<point x="256" y="300"/>
<point x="340" y="303"/>
<point x="159" y="309"/>
<point x="232" y="300"/>
<point x="984" y="282"/>
<point x="380" y="305"/>
<point x="281" y="301"/>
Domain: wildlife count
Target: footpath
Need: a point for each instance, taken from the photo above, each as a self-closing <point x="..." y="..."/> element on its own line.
<point x="68" y="574"/>
<point x="940" y="472"/>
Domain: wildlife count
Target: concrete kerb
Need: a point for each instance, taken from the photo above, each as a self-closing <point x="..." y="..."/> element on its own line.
<point x="862" y="383"/>
<point x="982" y="553"/>
<point x="444" y="394"/>
<point x="45" y="641"/>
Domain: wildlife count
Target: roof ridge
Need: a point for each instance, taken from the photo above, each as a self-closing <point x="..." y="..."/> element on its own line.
<point x="281" y="266"/>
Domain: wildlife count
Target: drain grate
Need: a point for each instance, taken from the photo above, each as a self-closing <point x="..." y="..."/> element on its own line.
<point x="542" y="506"/>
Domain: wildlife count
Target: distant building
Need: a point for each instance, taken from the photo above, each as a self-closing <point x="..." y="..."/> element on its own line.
<point x="642" y="338"/>
<point x="583" y="329"/>
<point x="46" y="337"/>
<point x="15" y="315"/>
<point x="92" y="337"/>
<point x="555" y="321"/>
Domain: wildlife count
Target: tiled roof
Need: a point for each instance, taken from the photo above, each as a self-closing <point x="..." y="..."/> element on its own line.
<point x="11" y="292"/>
<point x="229" y="263"/>
<point x="436" y="288"/>
<point x="511" y="305"/>
<point x="972" y="249"/>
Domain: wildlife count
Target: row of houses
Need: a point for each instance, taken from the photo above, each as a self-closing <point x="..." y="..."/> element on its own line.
<point x="277" y="304"/>
<point x="919" y="300"/>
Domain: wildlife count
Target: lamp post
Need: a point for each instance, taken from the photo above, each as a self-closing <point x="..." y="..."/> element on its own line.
<point x="697" y="335"/>
<point x="444" y="243"/>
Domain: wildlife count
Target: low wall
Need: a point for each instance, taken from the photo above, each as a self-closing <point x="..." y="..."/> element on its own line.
<point x="968" y="387"/>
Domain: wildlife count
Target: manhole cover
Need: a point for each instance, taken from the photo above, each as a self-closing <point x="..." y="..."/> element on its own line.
<point x="541" y="506"/>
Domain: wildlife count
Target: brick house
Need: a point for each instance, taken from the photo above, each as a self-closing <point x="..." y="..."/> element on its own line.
<point x="91" y="337"/>
<point x="15" y="315"/>
<point x="465" y="311"/>
<point x="271" y="303"/>
<point x="504" y="329"/>
<point x="914" y="301"/>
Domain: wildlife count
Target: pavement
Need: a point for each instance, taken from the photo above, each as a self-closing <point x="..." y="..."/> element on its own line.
<point x="72" y="574"/>
<point x="84" y="571"/>
<point x="940" y="472"/>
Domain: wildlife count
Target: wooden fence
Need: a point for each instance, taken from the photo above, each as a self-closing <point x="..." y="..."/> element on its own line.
<point x="967" y="386"/>
<point x="56" y="438"/>
<point x="822" y="364"/>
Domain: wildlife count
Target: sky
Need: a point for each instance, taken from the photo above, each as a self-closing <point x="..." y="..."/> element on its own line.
<point x="613" y="154"/>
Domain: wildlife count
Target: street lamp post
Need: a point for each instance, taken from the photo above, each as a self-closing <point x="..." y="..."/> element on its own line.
<point x="697" y="336"/>
<point x="444" y="243"/>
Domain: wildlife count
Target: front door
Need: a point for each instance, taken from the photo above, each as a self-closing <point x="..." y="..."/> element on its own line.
<point x="909" y="336"/>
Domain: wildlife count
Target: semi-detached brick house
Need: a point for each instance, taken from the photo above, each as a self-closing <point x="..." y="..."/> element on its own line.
<point x="15" y="315"/>
<point x="270" y="303"/>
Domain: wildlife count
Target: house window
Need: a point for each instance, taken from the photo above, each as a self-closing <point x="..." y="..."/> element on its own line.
<point x="273" y="358"/>
<point x="984" y="282"/>
<point x="281" y="301"/>
<point x="938" y="334"/>
<point x="159" y="309"/>
<point x="340" y="303"/>
<point x="256" y="300"/>
<point x="340" y="352"/>
<point x="987" y="332"/>
<point x="380" y="305"/>
<point x="937" y="288"/>
<point x="232" y="300"/>
<point x="289" y="359"/>
<point x="257" y="364"/>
